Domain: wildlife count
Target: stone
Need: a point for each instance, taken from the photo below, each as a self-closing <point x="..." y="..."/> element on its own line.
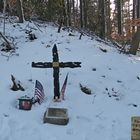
<point x="57" y="116"/>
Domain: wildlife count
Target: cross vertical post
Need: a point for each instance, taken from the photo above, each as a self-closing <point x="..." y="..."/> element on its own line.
<point x="56" y="72"/>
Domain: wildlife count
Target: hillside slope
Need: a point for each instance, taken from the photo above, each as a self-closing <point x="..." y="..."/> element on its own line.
<point x="112" y="77"/>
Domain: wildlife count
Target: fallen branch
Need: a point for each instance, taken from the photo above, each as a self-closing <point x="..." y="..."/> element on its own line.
<point x="8" y="45"/>
<point x="103" y="50"/>
<point x="37" y="26"/>
<point x="11" y="53"/>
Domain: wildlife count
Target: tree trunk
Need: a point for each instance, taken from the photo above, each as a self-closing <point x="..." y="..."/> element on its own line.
<point x="81" y="13"/>
<point x="119" y="16"/>
<point x="4" y="13"/>
<point x="73" y="9"/>
<point x="136" y="38"/>
<point x="85" y="12"/>
<point x="49" y="10"/>
<point x="69" y="12"/>
<point x="135" y="42"/>
<point x="101" y="19"/>
<point x="64" y="13"/>
<point x="1" y="5"/>
<point x="138" y="8"/>
<point x="134" y="14"/>
<point x="108" y="19"/>
<point x="20" y="11"/>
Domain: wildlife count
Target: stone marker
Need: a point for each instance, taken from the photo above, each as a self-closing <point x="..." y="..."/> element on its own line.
<point x="57" y="116"/>
<point x="135" y="128"/>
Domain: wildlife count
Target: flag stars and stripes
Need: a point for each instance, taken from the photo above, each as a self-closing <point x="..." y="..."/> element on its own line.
<point x="39" y="92"/>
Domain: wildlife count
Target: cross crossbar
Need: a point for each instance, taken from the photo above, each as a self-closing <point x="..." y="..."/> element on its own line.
<point x="61" y="64"/>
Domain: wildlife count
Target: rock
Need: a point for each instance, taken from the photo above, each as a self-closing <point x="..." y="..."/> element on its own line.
<point x="85" y="89"/>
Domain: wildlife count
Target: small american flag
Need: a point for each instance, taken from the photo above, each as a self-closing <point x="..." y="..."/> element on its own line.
<point x="39" y="92"/>
<point x="64" y="87"/>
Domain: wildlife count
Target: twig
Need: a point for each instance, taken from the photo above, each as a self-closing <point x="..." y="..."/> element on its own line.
<point x="99" y="115"/>
<point x="81" y="36"/>
<point x="37" y="26"/>
<point x="6" y="56"/>
<point x="93" y="99"/>
<point x="10" y="54"/>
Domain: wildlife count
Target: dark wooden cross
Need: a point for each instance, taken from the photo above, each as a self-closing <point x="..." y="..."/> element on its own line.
<point x="56" y="65"/>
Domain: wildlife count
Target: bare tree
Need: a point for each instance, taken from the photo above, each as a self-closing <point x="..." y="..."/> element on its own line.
<point x="73" y="11"/>
<point x="64" y="13"/>
<point x="119" y="15"/>
<point x="85" y="12"/>
<point x="136" y="38"/>
<point x="4" y="13"/>
<point x="101" y="19"/>
<point x="69" y="11"/>
<point x="1" y="5"/>
<point x="135" y="44"/>
<point x="81" y="13"/>
<point x="20" y="11"/>
<point x="108" y="18"/>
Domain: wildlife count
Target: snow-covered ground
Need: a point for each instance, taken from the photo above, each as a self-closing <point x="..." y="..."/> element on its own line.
<point x="113" y="78"/>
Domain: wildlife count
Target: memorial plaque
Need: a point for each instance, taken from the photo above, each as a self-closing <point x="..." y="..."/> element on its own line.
<point x="55" y="64"/>
<point x="135" y="128"/>
<point x="57" y="116"/>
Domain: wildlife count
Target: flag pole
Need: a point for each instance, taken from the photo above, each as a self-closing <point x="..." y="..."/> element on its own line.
<point x="64" y="87"/>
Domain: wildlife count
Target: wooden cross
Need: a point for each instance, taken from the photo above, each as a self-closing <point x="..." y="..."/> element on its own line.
<point x="56" y="65"/>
